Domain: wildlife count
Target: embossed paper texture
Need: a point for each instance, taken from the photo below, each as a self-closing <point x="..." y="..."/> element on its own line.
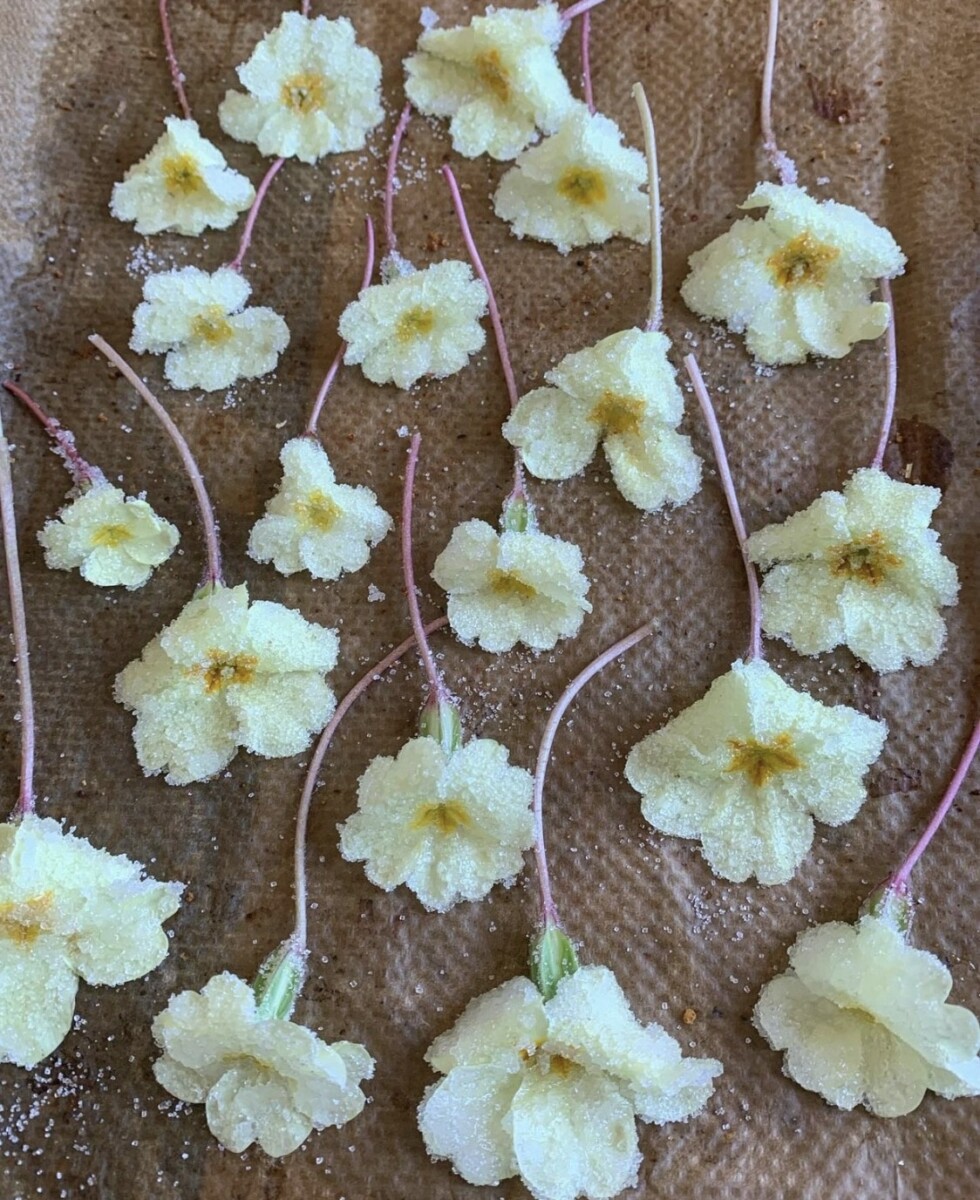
<point x="873" y="100"/>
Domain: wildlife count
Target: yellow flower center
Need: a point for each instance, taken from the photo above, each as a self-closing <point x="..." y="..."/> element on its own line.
<point x="618" y="414"/>
<point x="556" y="1063"/>
<point x="492" y="74"/>
<point x="417" y="322"/>
<point x="111" y="535"/>
<point x="446" y="817"/>
<point x="760" y="761"/>
<point x="212" y="326"/>
<point x="867" y="560"/>
<point x="583" y="186"/>
<point x="223" y="670"/>
<point x="506" y="583"/>
<point x="22" y="921"/>
<point x="802" y="261"/>
<point x="318" y="510"/>
<point x="305" y="92"/>
<point x="182" y="176"/>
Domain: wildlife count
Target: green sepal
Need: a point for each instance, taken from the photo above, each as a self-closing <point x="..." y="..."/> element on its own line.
<point x="279" y="982"/>
<point x="891" y="906"/>
<point x="553" y="959"/>
<point x="440" y="720"/>
<point x="517" y="515"/>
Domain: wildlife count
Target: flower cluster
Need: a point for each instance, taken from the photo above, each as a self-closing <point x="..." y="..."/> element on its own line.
<point x="227" y="674"/>
<point x="68" y="910"/>
<point x="549" y="1089"/>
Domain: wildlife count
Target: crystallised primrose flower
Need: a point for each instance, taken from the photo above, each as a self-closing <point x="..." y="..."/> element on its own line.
<point x="68" y="910"/>
<point x="261" y="1077"/>
<point x="579" y="187"/>
<point x="226" y="674"/>
<point x="860" y="568"/>
<point x="183" y="184"/>
<point x="497" y="79"/>
<point x="314" y="523"/>
<point x="746" y="769"/>
<point x="550" y="1089"/>
<point x="199" y="320"/>
<point x="621" y="392"/>
<point x="311" y="90"/>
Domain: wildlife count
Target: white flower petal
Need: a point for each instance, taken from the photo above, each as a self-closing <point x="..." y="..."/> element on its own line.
<point x="464" y="1118"/>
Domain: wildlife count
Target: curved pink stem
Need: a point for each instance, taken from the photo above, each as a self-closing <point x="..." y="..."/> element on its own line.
<point x="656" y="314"/>
<point x="891" y="386"/>
<point x="210" y="525"/>
<point x="437" y="687"/>
<point x="781" y="162"/>
<point x="303" y="814"/>
<point x="81" y="471"/>
<point x="18" y="621"/>
<point x="899" y="881"/>
<point x="549" y="913"/>
<point x="253" y="215"/>
<point x="577" y="10"/>
<point x="321" y="396"/>
<point x="586" y="64"/>
<point x="391" y="241"/>
<point x="176" y="75"/>
<point x="728" y="487"/>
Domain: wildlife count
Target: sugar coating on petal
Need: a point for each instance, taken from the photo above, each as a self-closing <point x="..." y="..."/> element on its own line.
<point x="798" y="282"/>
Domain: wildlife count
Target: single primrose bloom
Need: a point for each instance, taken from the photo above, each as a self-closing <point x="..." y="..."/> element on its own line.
<point x="863" y="1019"/>
<point x="68" y="911"/>
<point x="226" y="674"/>
<point x="448" y="825"/>
<point x="746" y="770"/>
<point x="261" y="1078"/>
<point x="515" y="586"/>
<point x="579" y="187"/>
<point x="550" y="1089"/>
<point x="110" y="538"/>
<point x="859" y="568"/>
<point x="313" y="523"/>
<point x="199" y="320"/>
<point x="420" y="323"/>
<point x="798" y="281"/>
<point x="184" y="184"/>
<point x="497" y="79"/>
<point x="623" y="393"/>
<point x="311" y="90"/>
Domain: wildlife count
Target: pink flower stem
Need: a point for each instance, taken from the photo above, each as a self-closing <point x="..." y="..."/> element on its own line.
<point x="438" y="692"/>
<point x="253" y="215"/>
<point x="321" y="396"/>
<point x="302" y="817"/>
<point x="656" y="316"/>
<point x="391" y="241"/>
<point x="586" y="65"/>
<point x="898" y="883"/>
<point x="209" y="524"/>
<point x="891" y="387"/>
<point x="18" y="620"/>
<point x="781" y="162"/>
<point x="304" y="8"/>
<point x="728" y="487"/>
<point x="549" y="913"/>
<point x="176" y="75"/>
<point x="577" y="10"/>
<point x="81" y="471"/>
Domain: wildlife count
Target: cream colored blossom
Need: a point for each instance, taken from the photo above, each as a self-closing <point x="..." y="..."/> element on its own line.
<point x="863" y="1018"/>
<point x="228" y="673"/>
<point x="261" y="1079"/>
<point x="497" y="78"/>
<point x="859" y="568"/>
<point x="200" y="322"/>
<point x="184" y="184"/>
<point x="311" y="90"/>
<point x="622" y="392"/>
<point x="747" y="768"/>
<point x="511" y="587"/>
<point x="798" y="281"/>
<point x="418" y="323"/>
<point x="579" y="187"/>
<point x="549" y="1090"/>
<point x="314" y="523"/>
<point x="68" y="910"/>
<point x="111" y="538"/>
<point x="447" y="825"/>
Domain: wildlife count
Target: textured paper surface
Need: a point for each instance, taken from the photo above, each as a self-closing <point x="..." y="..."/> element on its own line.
<point x="873" y="100"/>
